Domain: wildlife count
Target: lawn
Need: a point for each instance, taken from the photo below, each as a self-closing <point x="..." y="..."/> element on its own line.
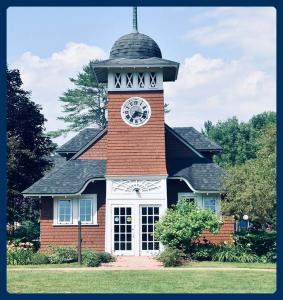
<point x="139" y="281"/>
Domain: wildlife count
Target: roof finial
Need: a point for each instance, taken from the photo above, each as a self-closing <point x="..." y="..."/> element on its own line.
<point x="135" y="20"/>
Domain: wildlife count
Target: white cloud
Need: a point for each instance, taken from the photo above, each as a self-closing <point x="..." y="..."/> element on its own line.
<point x="214" y="89"/>
<point x="253" y="30"/>
<point x="48" y="78"/>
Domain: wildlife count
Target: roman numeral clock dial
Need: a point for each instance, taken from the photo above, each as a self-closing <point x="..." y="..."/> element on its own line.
<point x="135" y="111"/>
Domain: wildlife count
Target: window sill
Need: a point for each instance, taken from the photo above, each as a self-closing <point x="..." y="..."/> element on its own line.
<point x="76" y="225"/>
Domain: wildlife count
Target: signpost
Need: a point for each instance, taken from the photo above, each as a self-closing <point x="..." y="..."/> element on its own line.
<point x="80" y="242"/>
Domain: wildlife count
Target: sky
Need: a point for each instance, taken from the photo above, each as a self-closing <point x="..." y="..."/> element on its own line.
<point x="227" y="56"/>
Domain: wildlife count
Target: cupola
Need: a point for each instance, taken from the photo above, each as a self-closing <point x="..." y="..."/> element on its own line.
<point x="135" y="63"/>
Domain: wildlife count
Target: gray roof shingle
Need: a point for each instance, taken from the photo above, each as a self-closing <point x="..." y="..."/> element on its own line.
<point x="135" y="45"/>
<point x="69" y="178"/>
<point x="202" y="174"/>
<point x="196" y="139"/>
<point x="189" y="134"/>
<point x="80" y="140"/>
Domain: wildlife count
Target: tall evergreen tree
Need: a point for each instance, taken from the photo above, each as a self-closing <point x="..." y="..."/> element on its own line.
<point x="28" y="149"/>
<point x="85" y="105"/>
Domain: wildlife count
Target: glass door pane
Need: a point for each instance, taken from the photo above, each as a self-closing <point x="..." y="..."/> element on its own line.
<point x="149" y="216"/>
<point x="122" y="219"/>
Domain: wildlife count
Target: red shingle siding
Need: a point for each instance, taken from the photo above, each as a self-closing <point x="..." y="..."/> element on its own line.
<point x="224" y="235"/>
<point x="93" y="235"/>
<point x="97" y="151"/>
<point x="136" y="150"/>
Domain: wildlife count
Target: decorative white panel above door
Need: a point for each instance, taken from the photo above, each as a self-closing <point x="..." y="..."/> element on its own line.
<point x="138" y="186"/>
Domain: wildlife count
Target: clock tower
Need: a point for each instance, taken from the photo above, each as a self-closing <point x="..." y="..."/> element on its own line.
<point x="135" y="73"/>
<point x="136" y="174"/>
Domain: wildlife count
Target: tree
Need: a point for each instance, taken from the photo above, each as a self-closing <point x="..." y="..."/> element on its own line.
<point x="184" y="223"/>
<point x="251" y="188"/>
<point x="238" y="139"/>
<point x="28" y="149"/>
<point x="86" y="104"/>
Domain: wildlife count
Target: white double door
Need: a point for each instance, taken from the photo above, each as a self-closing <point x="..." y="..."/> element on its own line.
<point x="133" y="229"/>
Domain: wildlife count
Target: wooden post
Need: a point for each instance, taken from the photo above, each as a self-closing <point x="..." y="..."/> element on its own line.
<point x="80" y="242"/>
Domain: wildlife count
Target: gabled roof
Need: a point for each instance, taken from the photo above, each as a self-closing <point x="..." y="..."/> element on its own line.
<point x="189" y="134"/>
<point x="79" y="141"/>
<point x="202" y="174"/>
<point x="70" y="178"/>
<point x="196" y="139"/>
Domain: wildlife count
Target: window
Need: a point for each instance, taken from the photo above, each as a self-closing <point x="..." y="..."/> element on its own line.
<point x="152" y="79"/>
<point x="187" y="196"/>
<point x="86" y="210"/>
<point x="209" y="203"/>
<point x="70" y="211"/>
<point x="65" y="211"/>
<point x="141" y="80"/>
<point x="117" y="80"/>
<point x="129" y="80"/>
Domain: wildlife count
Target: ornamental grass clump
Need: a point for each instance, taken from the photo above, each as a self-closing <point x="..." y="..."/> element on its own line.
<point x="183" y="224"/>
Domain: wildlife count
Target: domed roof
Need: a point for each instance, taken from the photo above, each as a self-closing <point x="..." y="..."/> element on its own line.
<point x="135" y="45"/>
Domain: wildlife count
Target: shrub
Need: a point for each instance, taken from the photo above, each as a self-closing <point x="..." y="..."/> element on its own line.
<point x="258" y="242"/>
<point x="202" y="251"/>
<point x="59" y="255"/>
<point x="171" y="257"/>
<point x="39" y="259"/>
<point x="91" y="258"/>
<point x="19" y="254"/>
<point x="105" y="257"/>
<point x="228" y="253"/>
<point x="185" y="223"/>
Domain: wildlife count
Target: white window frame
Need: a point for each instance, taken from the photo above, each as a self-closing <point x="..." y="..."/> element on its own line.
<point x="75" y="209"/>
<point x="92" y="210"/>
<point x="71" y="212"/>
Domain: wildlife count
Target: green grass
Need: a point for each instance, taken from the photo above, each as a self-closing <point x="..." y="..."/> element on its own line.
<point x="158" y="281"/>
<point x="216" y="264"/>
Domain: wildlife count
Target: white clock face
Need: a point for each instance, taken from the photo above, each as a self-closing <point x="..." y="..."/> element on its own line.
<point x="135" y="111"/>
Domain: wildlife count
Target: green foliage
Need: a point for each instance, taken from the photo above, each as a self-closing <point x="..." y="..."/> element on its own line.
<point x="231" y="253"/>
<point x="59" y="255"/>
<point x="238" y="139"/>
<point x="19" y="254"/>
<point x="28" y="231"/>
<point x="95" y="259"/>
<point x="260" y="242"/>
<point x="105" y="257"/>
<point x="84" y="105"/>
<point x="251" y="188"/>
<point x="202" y="252"/>
<point x="184" y="223"/>
<point x="171" y="257"/>
<point x="28" y="149"/>
<point x="38" y="258"/>
<point x="91" y="258"/>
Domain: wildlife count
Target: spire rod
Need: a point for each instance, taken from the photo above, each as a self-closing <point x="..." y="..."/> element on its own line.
<point x="135" y="20"/>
